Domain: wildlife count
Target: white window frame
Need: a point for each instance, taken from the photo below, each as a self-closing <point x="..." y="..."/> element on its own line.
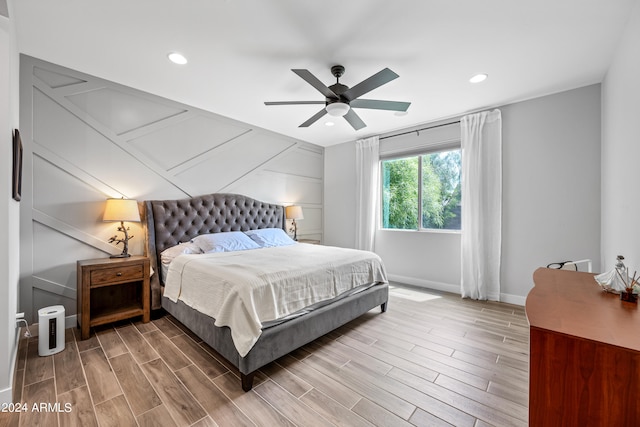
<point x="457" y="146"/>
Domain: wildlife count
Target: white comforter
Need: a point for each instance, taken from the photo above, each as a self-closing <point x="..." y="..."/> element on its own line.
<point x="246" y="288"/>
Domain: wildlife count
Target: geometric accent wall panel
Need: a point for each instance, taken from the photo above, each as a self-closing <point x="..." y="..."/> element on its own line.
<point x="301" y="162"/>
<point x="42" y="298"/>
<point x="287" y="189"/>
<point x="55" y="80"/>
<point x="312" y="222"/>
<point x="121" y="112"/>
<point x="87" y="139"/>
<point x="59" y="194"/>
<point x="172" y="145"/>
<point x="71" y="139"/>
<point x="230" y="162"/>
<point x="54" y="269"/>
<point x="56" y="252"/>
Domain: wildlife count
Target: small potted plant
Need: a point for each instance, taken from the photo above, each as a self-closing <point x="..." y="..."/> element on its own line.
<point x="630" y="284"/>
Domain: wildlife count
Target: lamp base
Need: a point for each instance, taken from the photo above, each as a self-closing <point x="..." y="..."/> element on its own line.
<point x="120" y="256"/>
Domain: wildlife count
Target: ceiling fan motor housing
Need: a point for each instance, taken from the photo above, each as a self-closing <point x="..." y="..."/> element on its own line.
<point x="338" y="89"/>
<point x="337" y="71"/>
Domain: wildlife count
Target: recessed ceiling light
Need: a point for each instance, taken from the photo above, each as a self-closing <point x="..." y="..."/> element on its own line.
<point x="329" y="123"/>
<point x="177" y="58"/>
<point x="478" y="78"/>
<point x="400" y="113"/>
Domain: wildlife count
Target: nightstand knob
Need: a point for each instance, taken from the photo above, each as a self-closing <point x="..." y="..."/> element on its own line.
<point x="118" y="274"/>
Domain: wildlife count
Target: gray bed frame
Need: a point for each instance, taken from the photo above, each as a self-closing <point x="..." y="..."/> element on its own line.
<point x="169" y="222"/>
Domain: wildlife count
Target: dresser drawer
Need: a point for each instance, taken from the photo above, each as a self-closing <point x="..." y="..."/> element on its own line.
<point x="116" y="274"/>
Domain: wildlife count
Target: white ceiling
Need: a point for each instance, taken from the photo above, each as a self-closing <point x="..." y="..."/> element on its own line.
<point x="241" y="52"/>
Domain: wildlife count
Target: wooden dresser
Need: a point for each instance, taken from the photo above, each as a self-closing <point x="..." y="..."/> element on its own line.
<point x="584" y="367"/>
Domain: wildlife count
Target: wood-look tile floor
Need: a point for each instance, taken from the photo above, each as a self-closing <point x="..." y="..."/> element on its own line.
<point x="432" y="359"/>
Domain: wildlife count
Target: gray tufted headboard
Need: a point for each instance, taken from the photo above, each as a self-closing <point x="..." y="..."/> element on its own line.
<point x="169" y="222"/>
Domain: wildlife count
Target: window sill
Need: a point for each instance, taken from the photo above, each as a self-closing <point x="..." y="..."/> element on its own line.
<point x="424" y="230"/>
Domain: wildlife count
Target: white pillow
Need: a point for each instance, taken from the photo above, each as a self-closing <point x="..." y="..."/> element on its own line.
<point x="269" y="237"/>
<point x="225" y="242"/>
<point x="181" y="248"/>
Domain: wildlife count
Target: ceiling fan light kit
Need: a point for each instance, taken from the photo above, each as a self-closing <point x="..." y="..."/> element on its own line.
<point x="337" y="109"/>
<point x="340" y="100"/>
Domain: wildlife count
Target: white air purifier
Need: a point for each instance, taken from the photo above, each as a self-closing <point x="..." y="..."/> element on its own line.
<point x="50" y="330"/>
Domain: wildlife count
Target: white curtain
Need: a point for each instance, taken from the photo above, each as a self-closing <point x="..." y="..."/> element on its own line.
<point x="481" y="140"/>
<point x="367" y="179"/>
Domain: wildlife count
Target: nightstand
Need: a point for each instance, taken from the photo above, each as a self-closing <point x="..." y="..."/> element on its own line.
<point x="112" y="289"/>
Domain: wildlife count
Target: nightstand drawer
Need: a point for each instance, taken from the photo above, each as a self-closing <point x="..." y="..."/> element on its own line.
<point x="110" y="275"/>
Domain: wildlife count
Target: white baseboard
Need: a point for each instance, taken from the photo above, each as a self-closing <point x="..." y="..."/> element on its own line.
<point x="6" y="395"/>
<point x="513" y="299"/>
<point x="428" y="284"/>
<point x="447" y="287"/>
<point x="70" y="321"/>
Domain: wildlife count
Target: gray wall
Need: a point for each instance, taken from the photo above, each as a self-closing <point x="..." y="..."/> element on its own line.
<point x="340" y="195"/>
<point x="9" y="208"/>
<point x="551" y="184"/>
<point x="87" y="139"/>
<point x="621" y="151"/>
<point x="551" y="198"/>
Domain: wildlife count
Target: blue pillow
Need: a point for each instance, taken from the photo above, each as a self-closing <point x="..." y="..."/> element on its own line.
<point x="270" y="237"/>
<point x="225" y="242"/>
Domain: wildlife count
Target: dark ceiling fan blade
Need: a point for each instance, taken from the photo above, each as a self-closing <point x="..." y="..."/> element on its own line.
<point x="294" y="102"/>
<point x="376" y="104"/>
<point x="354" y="120"/>
<point x="313" y="81"/>
<point x="313" y="119"/>
<point x="375" y="81"/>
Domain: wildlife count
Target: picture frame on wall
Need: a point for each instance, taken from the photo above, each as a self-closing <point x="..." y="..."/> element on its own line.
<point x="17" y="166"/>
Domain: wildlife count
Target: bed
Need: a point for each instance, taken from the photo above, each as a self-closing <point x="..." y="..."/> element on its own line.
<point x="173" y="222"/>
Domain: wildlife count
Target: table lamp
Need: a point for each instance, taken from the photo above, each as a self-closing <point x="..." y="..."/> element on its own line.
<point x="294" y="212"/>
<point x="121" y="210"/>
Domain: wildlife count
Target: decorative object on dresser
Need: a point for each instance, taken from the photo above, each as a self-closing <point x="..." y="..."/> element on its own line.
<point x="293" y="213"/>
<point x="618" y="281"/>
<point x="112" y="289"/>
<point x="121" y="210"/>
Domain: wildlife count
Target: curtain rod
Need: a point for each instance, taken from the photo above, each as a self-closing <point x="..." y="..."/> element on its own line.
<point x="418" y="130"/>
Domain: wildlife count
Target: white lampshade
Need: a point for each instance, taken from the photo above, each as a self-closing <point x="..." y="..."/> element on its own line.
<point x="337" y="109"/>
<point x="293" y="212"/>
<point x="121" y="210"/>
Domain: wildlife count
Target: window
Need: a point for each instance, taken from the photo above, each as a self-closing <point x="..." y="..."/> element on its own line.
<point x="422" y="192"/>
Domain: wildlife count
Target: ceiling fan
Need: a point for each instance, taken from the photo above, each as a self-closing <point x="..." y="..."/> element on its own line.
<point x="340" y="100"/>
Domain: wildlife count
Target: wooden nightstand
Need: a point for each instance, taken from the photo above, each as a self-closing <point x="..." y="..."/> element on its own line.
<point x="112" y="289"/>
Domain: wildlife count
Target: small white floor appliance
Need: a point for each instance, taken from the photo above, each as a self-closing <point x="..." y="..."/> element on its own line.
<point x="50" y="330"/>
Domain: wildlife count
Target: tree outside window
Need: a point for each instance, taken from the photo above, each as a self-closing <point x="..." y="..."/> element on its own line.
<point x="422" y="190"/>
